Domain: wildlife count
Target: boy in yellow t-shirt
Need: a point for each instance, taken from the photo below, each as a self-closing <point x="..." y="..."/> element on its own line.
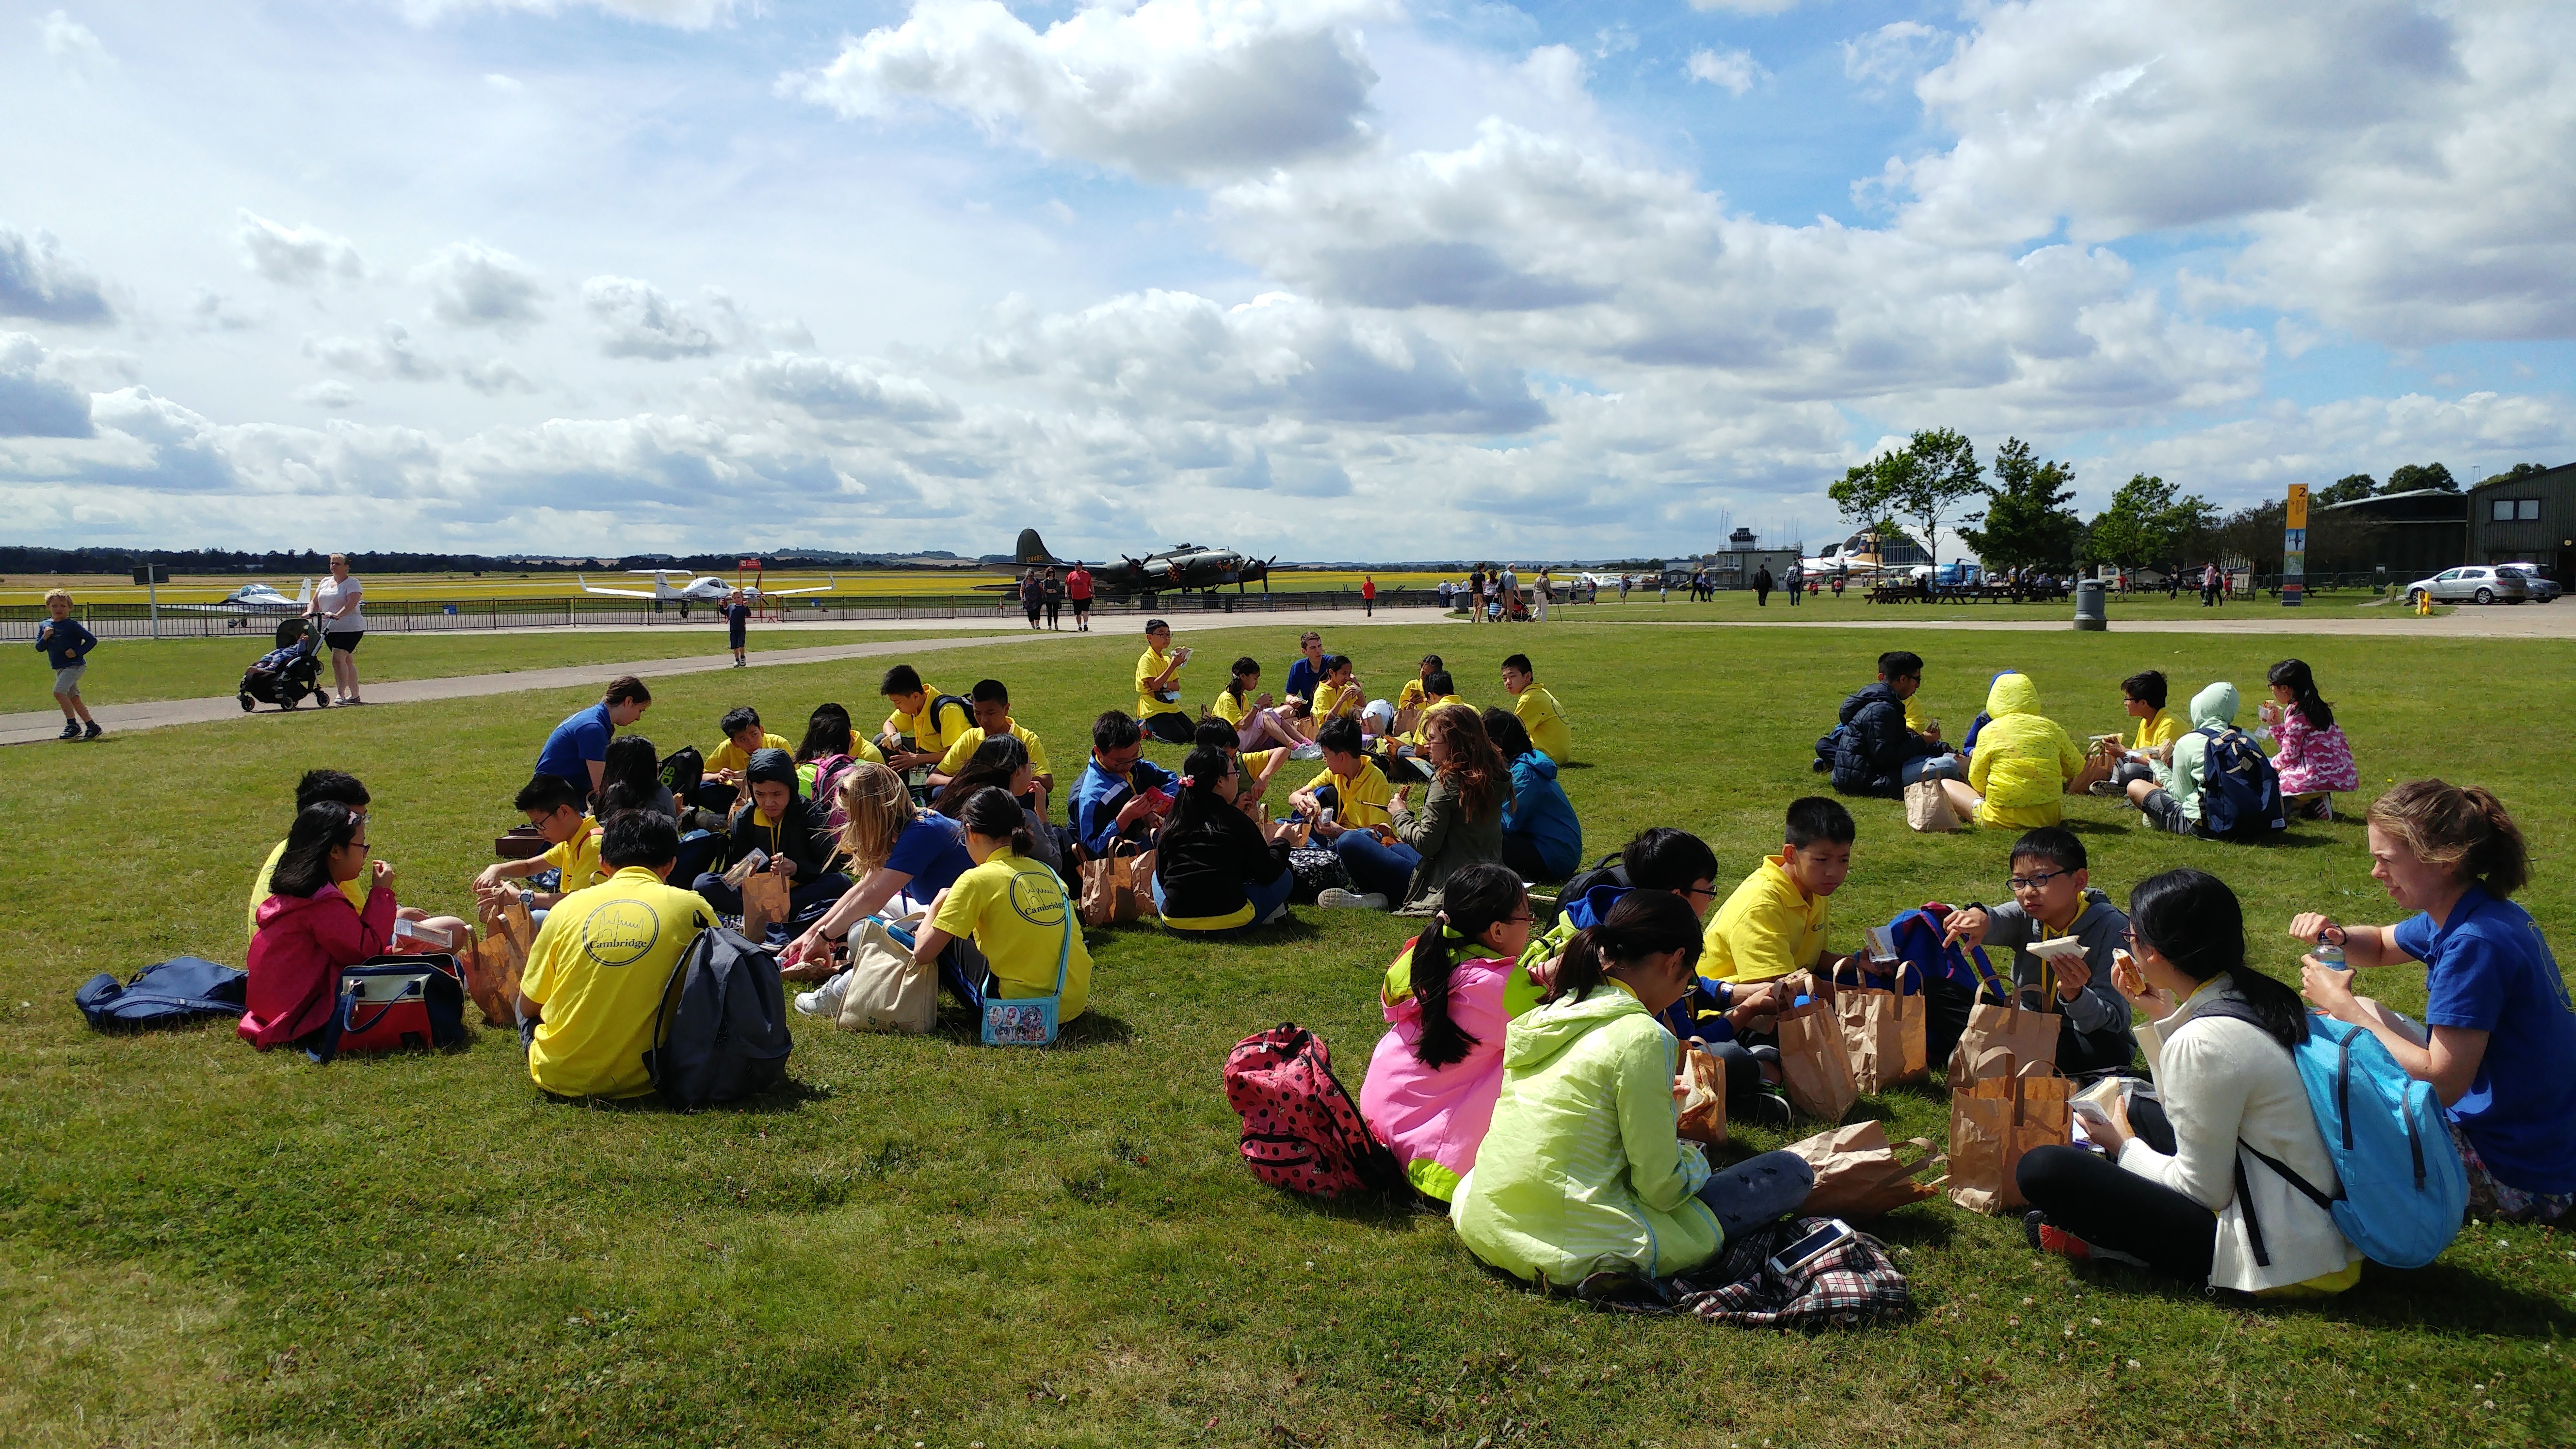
<point x="598" y="967"/>
<point x="992" y="702"/>
<point x="1361" y="795"/>
<point x="924" y="722"/>
<point x="553" y="805"/>
<point x="1775" y="922"/>
<point x="1158" y="687"/>
<point x="1537" y="710"/>
<point x="2149" y="756"/>
<point x="743" y="738"/>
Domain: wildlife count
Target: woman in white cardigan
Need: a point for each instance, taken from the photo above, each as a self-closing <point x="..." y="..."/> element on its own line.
<point x="2175" y="1198"/>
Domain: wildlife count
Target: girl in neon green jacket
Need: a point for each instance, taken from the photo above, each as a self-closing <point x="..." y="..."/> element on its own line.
<point x="1582" y="1171"/>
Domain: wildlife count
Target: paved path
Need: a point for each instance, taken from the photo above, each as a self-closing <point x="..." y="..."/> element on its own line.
<point x="46" y="725"/>
<point x="2530" y="621"/>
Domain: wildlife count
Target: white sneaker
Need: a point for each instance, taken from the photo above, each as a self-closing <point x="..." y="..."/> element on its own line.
<point x="1279" y="913"/>
<point x="1307" y="751"/>
<point x="1342" y="900"/>
<point x="824" y="1000"/>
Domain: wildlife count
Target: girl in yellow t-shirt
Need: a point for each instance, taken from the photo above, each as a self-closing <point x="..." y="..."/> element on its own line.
<point x="1258" y="724"/>
<point x="1015" y="910"/>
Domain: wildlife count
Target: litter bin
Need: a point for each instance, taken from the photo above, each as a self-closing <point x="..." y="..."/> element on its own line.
<point x="2088" y="605"/>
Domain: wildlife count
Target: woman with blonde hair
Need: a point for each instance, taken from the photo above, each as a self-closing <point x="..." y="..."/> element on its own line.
<point x="899" y="854"/>
<point x="2500" y="1051"/>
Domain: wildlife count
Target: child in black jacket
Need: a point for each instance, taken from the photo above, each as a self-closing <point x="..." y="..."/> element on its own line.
<point x="1215" y="869"/>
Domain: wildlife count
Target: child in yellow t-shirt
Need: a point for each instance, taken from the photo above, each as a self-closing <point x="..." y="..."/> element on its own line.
<point x="743" y="738"/>
<point x="1015" y="911"/>
<point x="2148" y="756"/>
<point x="1775" y="922"/>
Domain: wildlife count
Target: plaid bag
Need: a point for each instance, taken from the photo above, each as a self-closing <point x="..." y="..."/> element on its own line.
<point x="1846" y="1286"/>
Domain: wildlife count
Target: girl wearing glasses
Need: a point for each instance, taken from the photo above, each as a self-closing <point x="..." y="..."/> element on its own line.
<point x="307" y="931"/>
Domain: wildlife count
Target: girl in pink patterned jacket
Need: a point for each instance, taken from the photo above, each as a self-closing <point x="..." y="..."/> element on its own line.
<point x="2315" y="760"/>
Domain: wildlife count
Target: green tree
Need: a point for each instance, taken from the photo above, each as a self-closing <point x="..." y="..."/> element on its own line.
<point x="2346" y="489"/>
<point x="2518" y="470"/>
<point x="1922" y="483"/>
<point x="2421" y="475"/>
<point x="2146" y="524"/>
<point x="2026" y="518"/>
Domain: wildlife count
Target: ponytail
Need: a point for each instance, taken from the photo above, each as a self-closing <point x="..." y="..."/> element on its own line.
<point x="1199" y="802"/>
<point x="1243" y="666"/>
<point x="1471" y="903"/>
<point x="2194" y="921"/>
<point x="2462" y="828"/>
<point x="992" y="813"/>
<point x="2295" y="676"/>
<point x="1644" y="923"/>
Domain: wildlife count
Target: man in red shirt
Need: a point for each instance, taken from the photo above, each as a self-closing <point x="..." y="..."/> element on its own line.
<point x="1368" y="595"/>
<point x="1077" y="587"/>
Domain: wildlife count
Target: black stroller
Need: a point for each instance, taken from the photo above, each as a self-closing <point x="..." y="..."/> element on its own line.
<point x="287" y="673"/>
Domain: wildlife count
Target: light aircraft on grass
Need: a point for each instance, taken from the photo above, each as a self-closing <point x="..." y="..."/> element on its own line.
<point x="703" y="589"/>
<point x="1865" y="555"/>
<point x="248" y="600"/>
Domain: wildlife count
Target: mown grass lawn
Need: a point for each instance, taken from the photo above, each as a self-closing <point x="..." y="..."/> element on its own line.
<point x="131" y="671"/>
<point x="931" y="1242"/>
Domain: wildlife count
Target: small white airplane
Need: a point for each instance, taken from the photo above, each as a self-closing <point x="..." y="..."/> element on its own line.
<point x="704" y="589"/>
<point x="250" y="599"/>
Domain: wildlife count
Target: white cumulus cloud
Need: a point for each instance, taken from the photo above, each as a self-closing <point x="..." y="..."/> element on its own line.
<point x="329" y="393"/>
<point x="390" y="355"/>
<point x="72" y="46"/>
<point x="1168" y="90"/>
<point x="472" y="285"/>
<point x="36" y="400"/>
<point x="634" y="319"/>
<point x="682" y="14"/>
<point x="38" y="282"/>
<point x="1734" y="71"/>
<point x="296" y="256"/>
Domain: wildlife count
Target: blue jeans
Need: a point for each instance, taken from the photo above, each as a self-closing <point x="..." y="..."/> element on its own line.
<point x="1931" y="767"/>
<point x="1267" y="896"/>
<point x="1757" y="1191"/>
<point x="1377" y="867"/>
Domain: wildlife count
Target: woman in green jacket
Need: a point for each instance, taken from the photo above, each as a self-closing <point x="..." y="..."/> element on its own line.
<point x="1582" y="1172"/>
<point x="1462" y="821"/>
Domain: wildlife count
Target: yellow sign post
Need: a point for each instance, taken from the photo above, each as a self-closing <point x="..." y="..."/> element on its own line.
<point x="2294" y="549"/>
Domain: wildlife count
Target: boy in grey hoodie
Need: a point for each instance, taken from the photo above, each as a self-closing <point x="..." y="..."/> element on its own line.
<point x="2053" y="897"/>
<point x="2171" y="802"/>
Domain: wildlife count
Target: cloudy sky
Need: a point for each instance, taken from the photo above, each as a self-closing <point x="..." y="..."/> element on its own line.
<point x="1356" y="279"/>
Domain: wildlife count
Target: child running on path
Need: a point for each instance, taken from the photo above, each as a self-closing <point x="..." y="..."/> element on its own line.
<point x="67" y="643"/>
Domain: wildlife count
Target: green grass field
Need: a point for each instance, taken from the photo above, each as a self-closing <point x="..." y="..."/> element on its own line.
<point x="930" y="1242"/>
<point x="130" y="671"/>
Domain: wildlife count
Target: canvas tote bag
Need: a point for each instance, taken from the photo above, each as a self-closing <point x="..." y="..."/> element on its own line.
<point x="887" y="991"/>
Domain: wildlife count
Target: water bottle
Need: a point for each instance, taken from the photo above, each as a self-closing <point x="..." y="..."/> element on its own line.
<point x="2330" y="955"/>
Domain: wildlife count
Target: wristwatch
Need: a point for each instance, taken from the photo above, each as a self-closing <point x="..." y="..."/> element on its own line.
<point x="527" y="899"/>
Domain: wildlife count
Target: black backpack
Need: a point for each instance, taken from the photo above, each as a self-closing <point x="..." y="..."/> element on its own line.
<point x="1607" y="871"/>
<point x="727" y="1038"/>
<point x="682" y="769"/>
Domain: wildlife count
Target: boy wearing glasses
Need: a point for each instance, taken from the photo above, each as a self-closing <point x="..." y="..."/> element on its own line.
<point x="2053" y="897"/>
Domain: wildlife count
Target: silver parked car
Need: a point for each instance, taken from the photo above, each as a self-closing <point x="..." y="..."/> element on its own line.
<point x="2472" y="583"/>
<point x="2537" y="582"/>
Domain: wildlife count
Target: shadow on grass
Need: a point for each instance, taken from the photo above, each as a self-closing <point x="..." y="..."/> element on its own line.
<point x="1093" y="1028"/>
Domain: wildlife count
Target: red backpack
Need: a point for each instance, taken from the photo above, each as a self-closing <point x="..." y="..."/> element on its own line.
<point x="1301" y="1131"/>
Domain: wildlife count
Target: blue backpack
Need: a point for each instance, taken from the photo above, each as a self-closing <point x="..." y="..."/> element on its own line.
<point x="2404" y="1190"/>
<point x="171" y="993"/>
<point x="1919" y="944"/>
<point x="2240" y="792"/>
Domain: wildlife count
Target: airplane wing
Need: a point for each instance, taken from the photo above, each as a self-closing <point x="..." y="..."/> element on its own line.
<point x="816" y="589"/>
<point x="588" y="588"/>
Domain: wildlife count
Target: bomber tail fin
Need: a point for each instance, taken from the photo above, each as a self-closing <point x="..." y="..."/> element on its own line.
<point x="1032" y="549"/>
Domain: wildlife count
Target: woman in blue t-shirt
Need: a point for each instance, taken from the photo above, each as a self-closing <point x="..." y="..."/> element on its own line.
<point x="2501" y="1049"/>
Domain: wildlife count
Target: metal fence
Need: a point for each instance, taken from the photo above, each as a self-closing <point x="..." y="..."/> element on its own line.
<point x="454" y="616"/>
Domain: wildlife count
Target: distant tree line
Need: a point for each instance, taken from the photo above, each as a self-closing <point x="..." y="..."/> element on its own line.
<point x="17" y="559"/>
<point x="2019" y="516"/>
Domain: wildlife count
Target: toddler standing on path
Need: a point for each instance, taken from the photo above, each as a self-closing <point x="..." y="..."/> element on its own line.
<point x="67" y="644"/>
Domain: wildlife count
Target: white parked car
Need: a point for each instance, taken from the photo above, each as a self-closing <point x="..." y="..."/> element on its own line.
<point x="2472" y="583"/>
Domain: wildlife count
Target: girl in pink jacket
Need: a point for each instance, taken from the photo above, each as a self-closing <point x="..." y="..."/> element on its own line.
<point x="308" y="931"/>
<point x="1437" y="1072"/>
<point x="2315" y="760"/>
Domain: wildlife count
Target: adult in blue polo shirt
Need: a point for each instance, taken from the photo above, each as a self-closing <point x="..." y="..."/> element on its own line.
<point x="2501" y="1050"/>
<point x="578" y="748"/>
<point x="1120" y="793"/>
